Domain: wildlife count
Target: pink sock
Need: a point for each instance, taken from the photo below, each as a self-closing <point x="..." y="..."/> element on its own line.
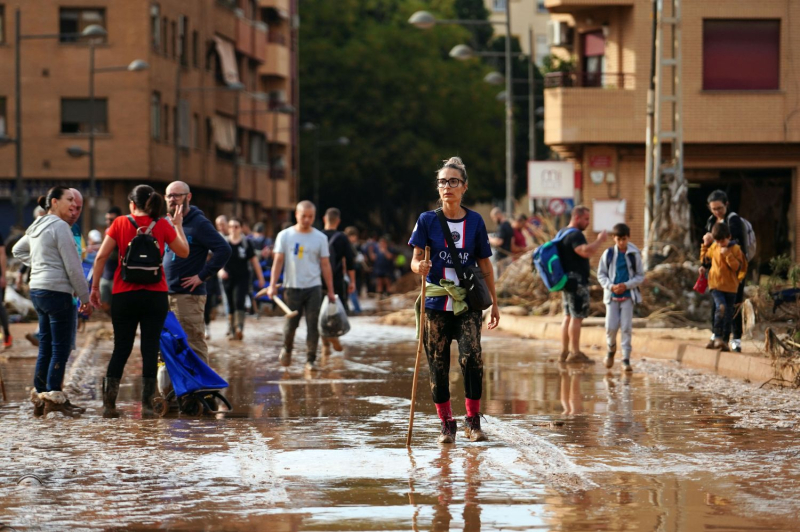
<point x="444" y="411"/>
<point x="473" y="407"/>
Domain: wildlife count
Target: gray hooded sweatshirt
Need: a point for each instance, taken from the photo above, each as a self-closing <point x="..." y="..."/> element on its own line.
<point x="48" y="247"/>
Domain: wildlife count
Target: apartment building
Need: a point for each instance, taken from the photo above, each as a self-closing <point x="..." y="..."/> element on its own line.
<point x="205" y="111"/>
<point x="524" y="14"/>
<point x="741" y="108"/>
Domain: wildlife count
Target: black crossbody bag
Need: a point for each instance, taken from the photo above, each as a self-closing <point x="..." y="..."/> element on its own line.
<point x="472" y="280"/>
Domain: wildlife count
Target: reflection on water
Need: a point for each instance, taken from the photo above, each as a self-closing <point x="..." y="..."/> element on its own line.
<point x="569" y="449"/>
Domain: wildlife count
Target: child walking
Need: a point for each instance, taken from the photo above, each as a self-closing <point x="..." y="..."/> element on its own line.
<point x="728" y="269"/>
<point x="620" y="273"/>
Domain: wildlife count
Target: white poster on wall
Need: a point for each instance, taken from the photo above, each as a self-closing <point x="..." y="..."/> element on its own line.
<point x="606" y="214"/>
<point x="551" y="179"/>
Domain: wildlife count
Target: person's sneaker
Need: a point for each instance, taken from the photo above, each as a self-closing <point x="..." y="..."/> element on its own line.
<point x="563" y="356"/>
<point x="286" y="357"/>
<point x="579" y="358"/>
<point x="736" y="345"/>
<point x="337" y="345"/>
<point x="626" y="366"/>
<point x="32" y="338"/>
<point x="711" y="344"/>
<point x="472" y="428"/>
<point x="448" y="434"/>
<point x="8" y="341"/>
<point x="208" y="333"/>
<point x="720" y="344"/>
<point x="609" y="360"/>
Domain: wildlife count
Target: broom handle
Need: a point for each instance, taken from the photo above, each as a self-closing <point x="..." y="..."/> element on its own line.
<point x="420" y="346"/>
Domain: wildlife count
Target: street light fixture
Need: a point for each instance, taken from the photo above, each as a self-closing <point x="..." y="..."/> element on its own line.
<point x="494" y="78"/>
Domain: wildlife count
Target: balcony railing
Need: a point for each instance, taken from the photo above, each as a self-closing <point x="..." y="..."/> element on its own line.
<point x="600" y="80"/>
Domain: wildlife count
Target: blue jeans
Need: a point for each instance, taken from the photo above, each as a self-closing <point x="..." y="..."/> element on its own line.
<point x="354" y="301"/>
<point x="56" y="333"/>
<point x="724" y="305"/>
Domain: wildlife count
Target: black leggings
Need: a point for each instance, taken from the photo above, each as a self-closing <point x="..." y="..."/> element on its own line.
<point x="441" y="328"/>
<point x="236" y="291"/>
<point x="128" y="311"/>
<point x="3" y="313"/>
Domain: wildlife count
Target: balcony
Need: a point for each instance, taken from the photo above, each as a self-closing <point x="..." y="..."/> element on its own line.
<point x="251" y="39"/>
<point x="277" y="62"/>
<point x="592" y="109"/>
<point x="570" y="6"/>
<point x="280" y="5"/>
<point x="225" y="20"/>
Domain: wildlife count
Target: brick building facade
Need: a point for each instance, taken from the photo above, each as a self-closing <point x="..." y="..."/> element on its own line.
<point x="741" y="108"/>
<point x="208" y="47"/>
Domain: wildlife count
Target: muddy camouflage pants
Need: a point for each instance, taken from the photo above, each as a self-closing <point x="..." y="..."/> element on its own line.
<point x="441" y="328"/>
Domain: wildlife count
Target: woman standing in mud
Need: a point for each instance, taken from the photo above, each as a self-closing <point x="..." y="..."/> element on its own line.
<point x="236" y="277"/>
<point x="448" y="316"/>
<point x="56" y="273"/>
<point x="720" y="212"/>
<point x="135" y="304"/>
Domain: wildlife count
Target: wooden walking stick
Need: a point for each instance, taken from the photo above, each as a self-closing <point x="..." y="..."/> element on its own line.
<point x="3" y="388"/>
<point x="420" y="346"/>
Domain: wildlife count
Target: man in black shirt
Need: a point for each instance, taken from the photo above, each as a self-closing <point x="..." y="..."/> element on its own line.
<point x="574" y="252"/>
<point x="342" y="258"/>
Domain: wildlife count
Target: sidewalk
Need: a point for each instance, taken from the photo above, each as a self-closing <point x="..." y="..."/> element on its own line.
<point x="684" y="345"/>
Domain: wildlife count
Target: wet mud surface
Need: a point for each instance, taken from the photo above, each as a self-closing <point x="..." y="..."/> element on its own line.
<point x="569" y="449"/>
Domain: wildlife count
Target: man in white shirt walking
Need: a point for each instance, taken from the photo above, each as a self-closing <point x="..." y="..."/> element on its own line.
<point x="304" y="251"/>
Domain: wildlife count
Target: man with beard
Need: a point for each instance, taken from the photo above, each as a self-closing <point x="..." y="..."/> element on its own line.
<point x="186" y="278"/>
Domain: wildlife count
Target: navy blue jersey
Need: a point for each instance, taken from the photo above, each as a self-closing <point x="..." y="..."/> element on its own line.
<point x="471" y="239"/>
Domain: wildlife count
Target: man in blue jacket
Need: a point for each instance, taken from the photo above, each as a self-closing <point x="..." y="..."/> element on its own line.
<point x="186" y="278"/>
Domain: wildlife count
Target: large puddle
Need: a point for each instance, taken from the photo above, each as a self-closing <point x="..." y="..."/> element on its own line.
<point x="569" y="450"/>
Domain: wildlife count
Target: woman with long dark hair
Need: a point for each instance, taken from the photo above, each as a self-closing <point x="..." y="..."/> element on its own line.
<point x="448" y="316"/>
<point x="135" y="304"/>
<point x="56" y="274"/>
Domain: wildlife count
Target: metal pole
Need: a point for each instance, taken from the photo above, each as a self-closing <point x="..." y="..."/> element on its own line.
<point x="531" y="99"/>
<point x="176" y="165"/>
<point x="316" y="168"/>
<point x="509" y="118"/>
<point x="236" y="156"/>
<point x="91" y="137"/>
<point x="648" y="152"/>
<point x="18" y="119"/>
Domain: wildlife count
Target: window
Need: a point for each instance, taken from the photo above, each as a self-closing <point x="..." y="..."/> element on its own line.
<point x="155" y="26"/>
<point x="209" y="134"/>
<point x="165" y="118"/>
<point x="3" y="117"/>
<point x="2" y="24"/>
<point x="195" y="60"/>
<point x="155" y="116"/>
<point x="498" y="5"/>
<point x="741" y="54"/>
<point x="196" y="131"/>
<point x="540" y="6"/>
<point x="174" y="41"/>
<point x="183" y="43"/>
<point x="75" y="115"/>
<point x="73" y="21"/>
<point x="164" y="36"/>
<point x="258" y="149"/>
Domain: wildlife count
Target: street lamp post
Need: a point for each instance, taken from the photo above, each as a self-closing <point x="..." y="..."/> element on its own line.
<point x="341" y="141"/>
<point x="136" y="65"/>
<point x="425" y="20"/>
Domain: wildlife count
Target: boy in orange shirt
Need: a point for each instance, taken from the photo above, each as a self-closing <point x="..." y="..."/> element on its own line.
<point x="728" y="268"/>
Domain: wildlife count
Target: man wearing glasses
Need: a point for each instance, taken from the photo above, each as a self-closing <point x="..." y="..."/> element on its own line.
<point x="186" y="278"/>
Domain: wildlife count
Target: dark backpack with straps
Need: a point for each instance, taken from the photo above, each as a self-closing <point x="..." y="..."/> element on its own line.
<point x="142" y="261"/>
<point x="610" y="257"/>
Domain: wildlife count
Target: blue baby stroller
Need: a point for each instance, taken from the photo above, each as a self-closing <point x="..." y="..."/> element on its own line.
<point x="193" y="382"/>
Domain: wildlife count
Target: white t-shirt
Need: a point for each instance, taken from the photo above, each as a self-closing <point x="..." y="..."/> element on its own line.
<point x="302" y="253"/>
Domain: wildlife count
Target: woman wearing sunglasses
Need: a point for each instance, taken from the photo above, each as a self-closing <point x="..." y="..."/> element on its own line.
<point x="448" y="316"/>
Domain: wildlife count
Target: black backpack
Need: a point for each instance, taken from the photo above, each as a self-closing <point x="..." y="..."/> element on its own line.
<point x="142" y="261"/>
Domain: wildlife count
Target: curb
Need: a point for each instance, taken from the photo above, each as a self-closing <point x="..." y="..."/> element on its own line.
<point x="683" y="345"/>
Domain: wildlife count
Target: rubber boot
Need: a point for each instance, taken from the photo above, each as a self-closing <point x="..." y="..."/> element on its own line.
<point x="148" y="392"/>
<point x="110" y="392"/>
<point x="239" y="333"/>
<point x="56" y="402"/>
<point x="38" y="404"/>
<point x="231" y="326"/>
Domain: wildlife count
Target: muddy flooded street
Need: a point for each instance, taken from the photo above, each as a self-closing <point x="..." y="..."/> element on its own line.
<point x="568" y="450"/>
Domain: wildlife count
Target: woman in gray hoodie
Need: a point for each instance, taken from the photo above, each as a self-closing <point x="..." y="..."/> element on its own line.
<point x="48" y="247"/>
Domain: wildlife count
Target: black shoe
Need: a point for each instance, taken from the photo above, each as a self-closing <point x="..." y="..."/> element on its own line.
<point x="448" y="434"/>
<point x="472" y="428"/>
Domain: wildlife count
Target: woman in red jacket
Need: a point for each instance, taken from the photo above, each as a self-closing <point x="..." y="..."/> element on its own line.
<point x="134" y="304"/>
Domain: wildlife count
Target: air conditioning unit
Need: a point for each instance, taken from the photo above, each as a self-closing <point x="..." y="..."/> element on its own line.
<point x="276" y="98"/>
<point x="558" y="33"/>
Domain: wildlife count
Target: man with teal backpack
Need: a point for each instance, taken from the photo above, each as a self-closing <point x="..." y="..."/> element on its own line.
<point x="563" y="265"/>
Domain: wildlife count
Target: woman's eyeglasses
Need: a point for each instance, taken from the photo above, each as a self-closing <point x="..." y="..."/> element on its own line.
<point x="453" y="182"/>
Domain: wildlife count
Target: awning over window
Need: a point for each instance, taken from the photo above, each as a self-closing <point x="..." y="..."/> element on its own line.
<point x="227" y="56"/>
<point x="224" y="132"/>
